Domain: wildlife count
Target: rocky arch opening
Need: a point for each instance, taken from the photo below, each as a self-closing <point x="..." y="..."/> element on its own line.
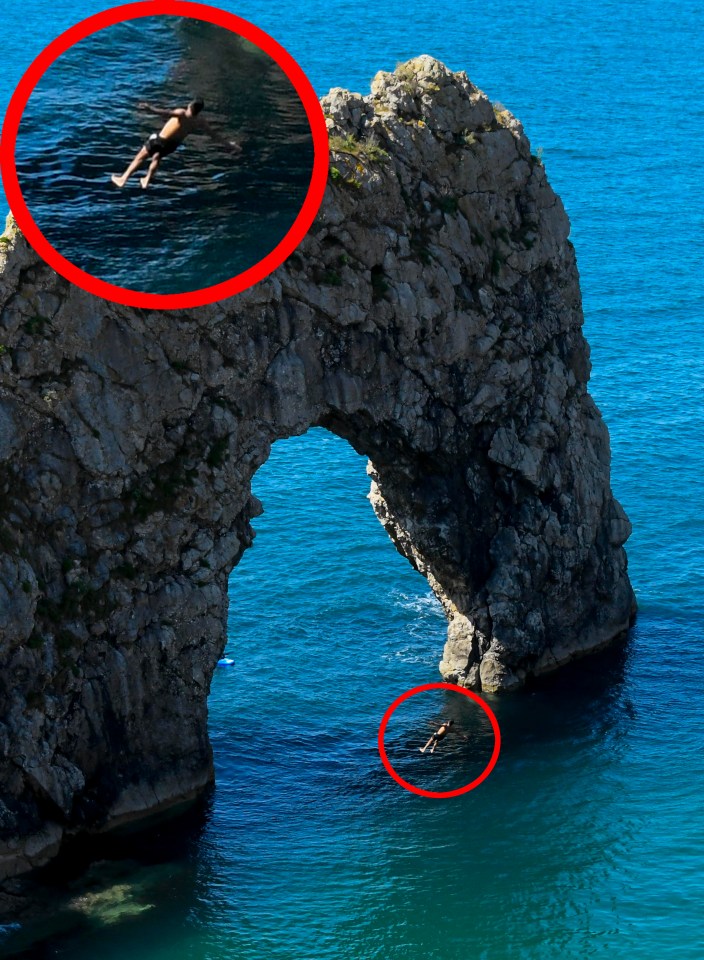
<point x="326" y="620"/>
<point x="319" y="545"/>
<point x="317" y="527"/>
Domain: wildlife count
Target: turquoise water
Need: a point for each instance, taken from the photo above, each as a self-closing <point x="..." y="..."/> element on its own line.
<point x="586" y="841"/>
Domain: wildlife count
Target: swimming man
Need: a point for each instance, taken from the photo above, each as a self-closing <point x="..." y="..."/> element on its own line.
<point x="179" y="124"/>
<point x="439" y="735"/>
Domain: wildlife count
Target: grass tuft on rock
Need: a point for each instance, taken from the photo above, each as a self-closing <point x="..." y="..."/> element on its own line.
<point x="368" y="149"/>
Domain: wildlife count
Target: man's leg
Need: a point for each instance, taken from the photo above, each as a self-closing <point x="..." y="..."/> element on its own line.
<point x="153" y="167"/>
<point x="423" y="749"/>
<point x="432" y="750"/>
<point x="121" y="181"/>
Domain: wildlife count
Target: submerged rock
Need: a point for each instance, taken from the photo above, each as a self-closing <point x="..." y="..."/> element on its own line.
<point x="432" y="317"/>
<point x="111" y="905"/>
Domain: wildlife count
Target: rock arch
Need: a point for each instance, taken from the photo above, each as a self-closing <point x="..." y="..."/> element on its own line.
<point x="432" y="318"/>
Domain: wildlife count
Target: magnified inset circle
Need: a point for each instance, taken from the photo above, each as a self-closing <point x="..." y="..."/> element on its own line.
<point x="161" y="159"/>
<point x="440" y="794"/>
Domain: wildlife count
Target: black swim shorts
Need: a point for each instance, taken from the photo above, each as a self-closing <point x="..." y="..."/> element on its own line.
<point x="155" y="145"/>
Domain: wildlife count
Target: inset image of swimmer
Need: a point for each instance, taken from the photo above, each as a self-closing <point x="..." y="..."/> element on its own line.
<point x="214" y="130"/>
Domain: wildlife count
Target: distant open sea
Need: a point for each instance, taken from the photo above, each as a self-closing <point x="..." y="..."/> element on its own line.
<point x="587" y="841"/>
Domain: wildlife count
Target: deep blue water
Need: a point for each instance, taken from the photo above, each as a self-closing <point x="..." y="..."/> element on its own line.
<point x="586" y="841"/>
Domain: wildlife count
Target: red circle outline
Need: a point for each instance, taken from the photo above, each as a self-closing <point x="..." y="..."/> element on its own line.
<point x="124" y="295"/>
<point x="440" y="795"/>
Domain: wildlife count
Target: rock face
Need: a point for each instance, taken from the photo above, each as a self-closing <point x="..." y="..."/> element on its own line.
<point x="432" y="318"/>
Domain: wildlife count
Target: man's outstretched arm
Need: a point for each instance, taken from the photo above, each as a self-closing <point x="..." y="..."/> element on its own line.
<point x="161" y="111"/>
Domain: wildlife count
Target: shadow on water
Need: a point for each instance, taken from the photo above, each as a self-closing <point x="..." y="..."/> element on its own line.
<point x="582" y="699"/>
<point x="209" y="214"/>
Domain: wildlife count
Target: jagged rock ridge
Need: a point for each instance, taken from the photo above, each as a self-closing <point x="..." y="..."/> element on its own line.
<point x="432" y="317"/>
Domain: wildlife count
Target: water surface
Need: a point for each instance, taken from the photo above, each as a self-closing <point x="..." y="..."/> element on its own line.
<point x="586" y="841"/>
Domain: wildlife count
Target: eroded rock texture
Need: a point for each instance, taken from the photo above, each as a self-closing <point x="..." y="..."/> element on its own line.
<point x="432" y="317"/>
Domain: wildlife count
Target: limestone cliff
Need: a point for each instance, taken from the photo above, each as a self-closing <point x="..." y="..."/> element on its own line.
<point x="432" y="317"/>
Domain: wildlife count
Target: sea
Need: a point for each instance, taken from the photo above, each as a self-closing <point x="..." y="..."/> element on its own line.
<point x="587" y="839"/>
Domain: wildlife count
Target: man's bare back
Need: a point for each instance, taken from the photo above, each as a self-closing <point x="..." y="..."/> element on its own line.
<point x="178" y="126"/>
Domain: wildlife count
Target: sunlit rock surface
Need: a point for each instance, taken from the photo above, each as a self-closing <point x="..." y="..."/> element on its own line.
<point x="432" y="317"/>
